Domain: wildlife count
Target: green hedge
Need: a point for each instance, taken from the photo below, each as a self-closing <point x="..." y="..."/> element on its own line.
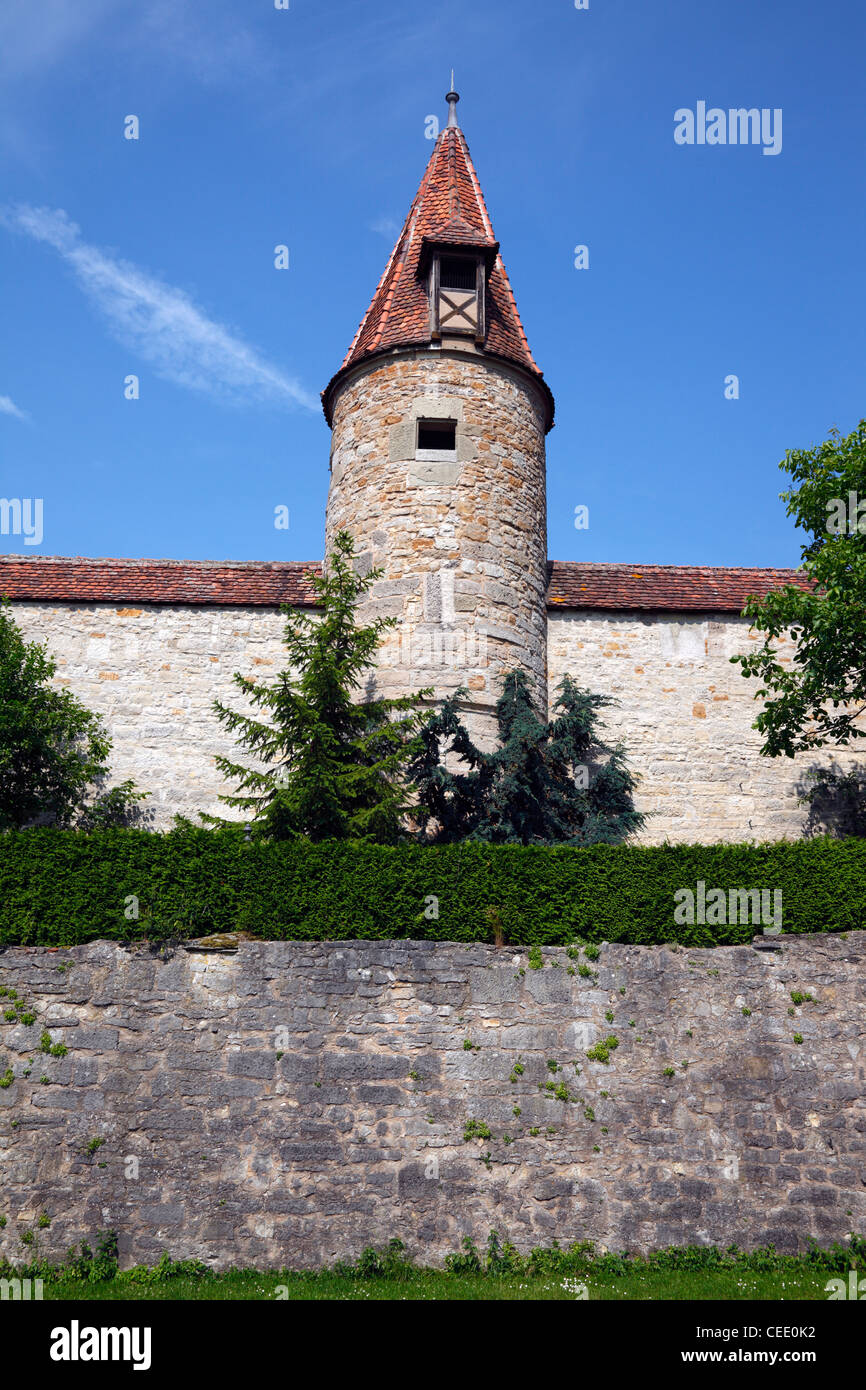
<point x="60" y="887"/>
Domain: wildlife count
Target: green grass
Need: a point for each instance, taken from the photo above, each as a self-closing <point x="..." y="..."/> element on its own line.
<point x="428" y="1285"/>
<point x="689" y="1274"/>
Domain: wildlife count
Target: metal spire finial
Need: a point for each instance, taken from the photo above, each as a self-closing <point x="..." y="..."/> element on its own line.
<point x="452" y="98"/>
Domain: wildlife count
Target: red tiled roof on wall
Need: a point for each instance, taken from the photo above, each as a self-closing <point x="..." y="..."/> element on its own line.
<point x="255" y="583"/>
<point x="575" y="584"/>
<point x="264" y="584"/>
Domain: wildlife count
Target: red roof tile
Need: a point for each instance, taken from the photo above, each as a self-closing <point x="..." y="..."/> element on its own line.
<point x="57" y="579"/>
<point x="449" y="209"/>
<point x="576" y="584"/>
<point x="256" y="583"/>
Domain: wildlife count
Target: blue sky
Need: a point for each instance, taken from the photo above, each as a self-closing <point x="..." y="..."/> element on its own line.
<point x="306" y="127"/>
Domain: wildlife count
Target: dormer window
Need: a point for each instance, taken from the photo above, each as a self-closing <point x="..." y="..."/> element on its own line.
<point x="457" y="273"/>
<point x="457" y="296"/>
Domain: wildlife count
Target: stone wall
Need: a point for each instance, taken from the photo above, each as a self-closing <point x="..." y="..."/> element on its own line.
<point x="153" y="672"/>
<point x="684" y="711"/>
<point x="291" y="1103"/>
<point x="685" y="714"/>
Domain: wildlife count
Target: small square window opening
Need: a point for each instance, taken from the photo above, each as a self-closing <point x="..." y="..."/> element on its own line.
<point x="437" y="435"/>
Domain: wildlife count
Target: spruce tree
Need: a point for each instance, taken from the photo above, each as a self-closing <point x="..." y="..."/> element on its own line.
<point x="330" y="766"/>
<point x="553" y="782"/>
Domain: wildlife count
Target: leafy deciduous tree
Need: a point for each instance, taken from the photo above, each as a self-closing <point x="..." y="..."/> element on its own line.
<point x="53" y="751"/>
<point x="816" y="698"/>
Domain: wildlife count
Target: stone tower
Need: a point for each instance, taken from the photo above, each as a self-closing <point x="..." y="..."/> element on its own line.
<point x="439" y="416"/>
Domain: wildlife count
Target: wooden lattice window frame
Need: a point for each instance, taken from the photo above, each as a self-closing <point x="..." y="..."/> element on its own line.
<point x="455" y="302"/>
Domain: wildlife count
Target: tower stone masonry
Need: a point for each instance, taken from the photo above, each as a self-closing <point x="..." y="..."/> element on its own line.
<point x="439" y="415"/>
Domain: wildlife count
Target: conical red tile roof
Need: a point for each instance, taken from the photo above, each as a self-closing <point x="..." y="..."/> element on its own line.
<point x="449" y="210"/>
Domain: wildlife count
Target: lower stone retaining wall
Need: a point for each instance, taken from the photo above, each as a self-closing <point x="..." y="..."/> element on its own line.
<point x="289" y="1104"/>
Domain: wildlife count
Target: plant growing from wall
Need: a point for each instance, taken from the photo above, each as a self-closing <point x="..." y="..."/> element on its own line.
<point x="547" y="782"/>
<point x="53" y="751"/>
<point x="330" y="766"/>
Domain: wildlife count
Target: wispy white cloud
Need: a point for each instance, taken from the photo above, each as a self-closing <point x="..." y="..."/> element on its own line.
<point x="8" y="407"/>
<point x="160" y="322"/>
<point x="33" y="37"/>
<point x="213" y="46"/>
<point x="38" y="35"/>
<point x="386" y="227"/>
